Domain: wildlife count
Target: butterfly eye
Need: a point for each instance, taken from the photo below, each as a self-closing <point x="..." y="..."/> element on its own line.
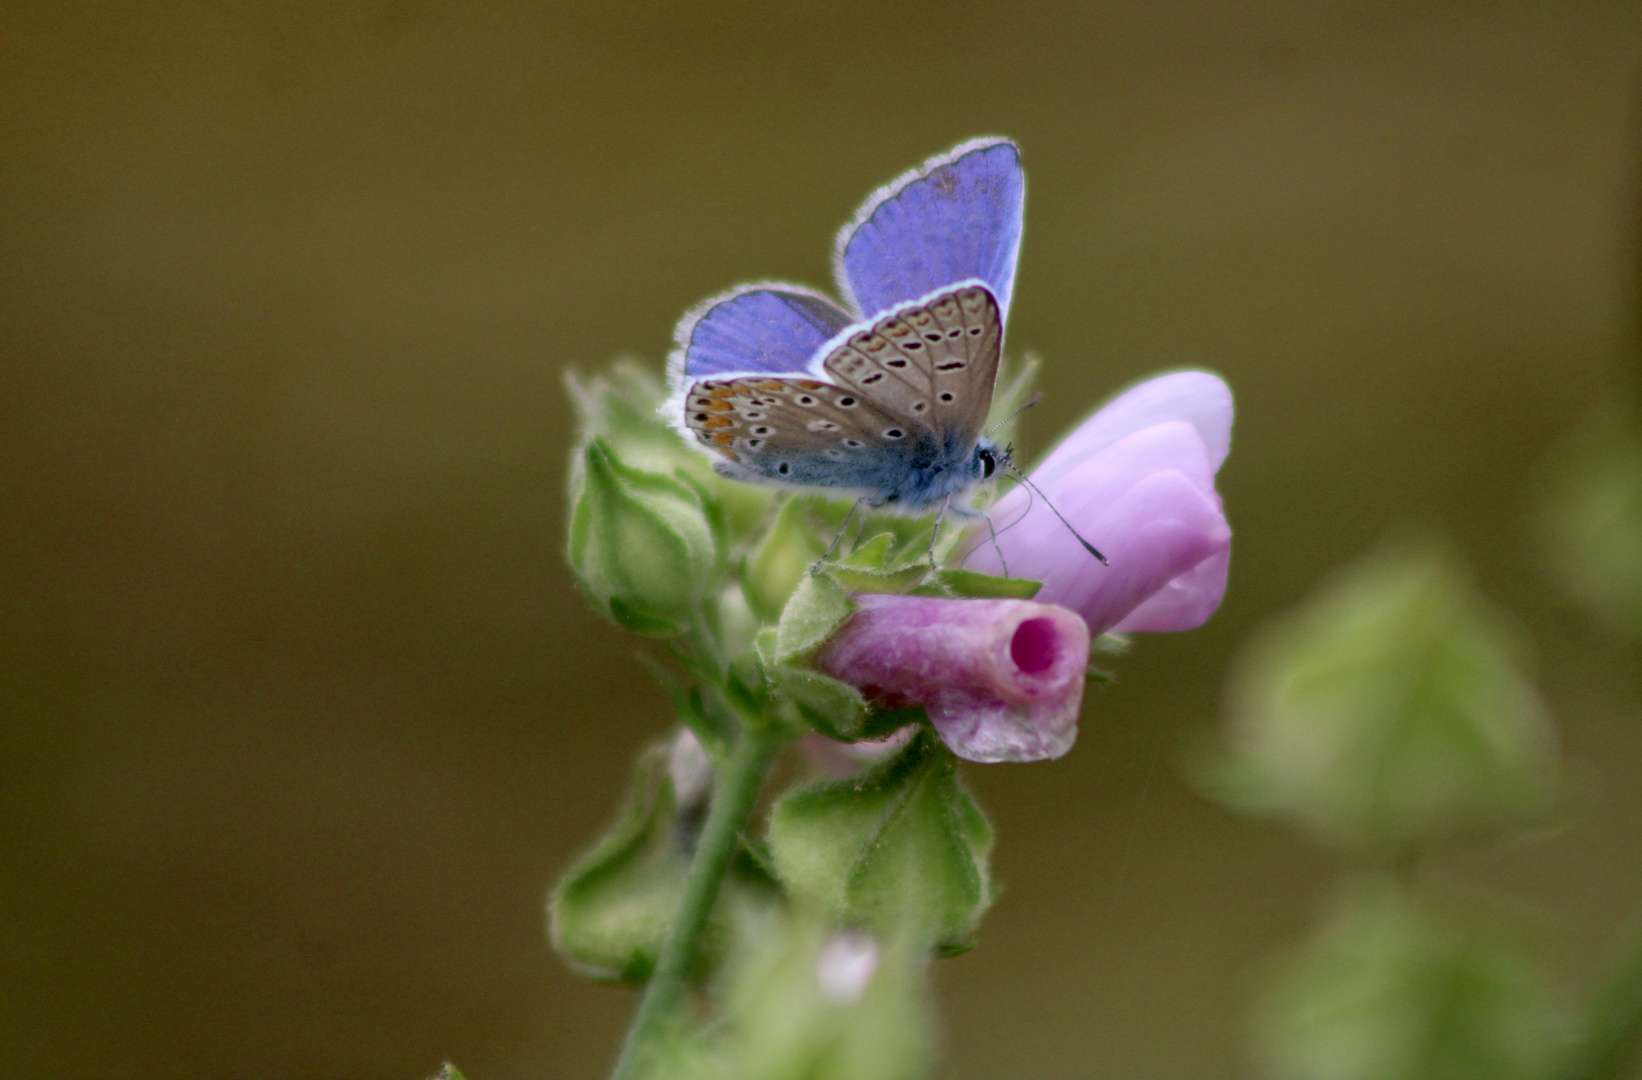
<point x="989" y="463"/>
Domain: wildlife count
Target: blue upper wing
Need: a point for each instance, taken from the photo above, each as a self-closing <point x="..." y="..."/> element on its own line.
<point x="755" y="328"/>
<point x="957" y="216"/>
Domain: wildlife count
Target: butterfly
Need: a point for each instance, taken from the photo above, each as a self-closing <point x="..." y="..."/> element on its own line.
<point x="886" y="398"/>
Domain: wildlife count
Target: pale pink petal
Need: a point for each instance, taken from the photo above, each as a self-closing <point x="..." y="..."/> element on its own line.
<point x="1185" y="603"/>
<point x="1002" y="680"/>
<point x="1196" y="397"/>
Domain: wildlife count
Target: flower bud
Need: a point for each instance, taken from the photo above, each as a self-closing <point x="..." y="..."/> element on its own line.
<point x="1002" y="680"/>
<point x="642" y="544"/>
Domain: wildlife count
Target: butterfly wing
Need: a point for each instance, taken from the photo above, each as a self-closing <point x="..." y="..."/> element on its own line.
<point x="797" y="430"/>
<point x="932" y="362"/>
<point x="764" y="327"/>
<point x="955" y="217"/>
<point x="912" y="385"/>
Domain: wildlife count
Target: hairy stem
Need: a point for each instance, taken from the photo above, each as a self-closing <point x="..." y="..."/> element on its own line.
<point x="739" y="781"/>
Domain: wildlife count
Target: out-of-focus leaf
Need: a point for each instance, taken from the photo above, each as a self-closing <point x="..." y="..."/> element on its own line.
<point x="1593" y="521"/>
<point x="1390" y="711"/>
<point x="1387" y="990"/>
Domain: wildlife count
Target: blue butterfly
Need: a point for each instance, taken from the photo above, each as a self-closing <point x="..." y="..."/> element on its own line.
<point x="886" y="400"/>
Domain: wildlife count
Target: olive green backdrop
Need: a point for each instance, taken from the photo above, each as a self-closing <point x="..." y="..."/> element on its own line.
<point x="301" y="711"/>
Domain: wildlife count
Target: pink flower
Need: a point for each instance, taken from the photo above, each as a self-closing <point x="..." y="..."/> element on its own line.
<point x="1137" y="480"/>
<point x="1001" y="680"/>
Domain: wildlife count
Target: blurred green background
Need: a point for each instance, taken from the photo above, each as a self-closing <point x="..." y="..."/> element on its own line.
<point x="301" y="712"/>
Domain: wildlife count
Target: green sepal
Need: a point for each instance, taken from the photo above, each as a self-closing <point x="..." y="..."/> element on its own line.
<point x="817" y="607"/>
<point x="870" y="554"/>
<point x="630" y="616"/>
<point x="894" y="582"/>
<point x="968" y="584"/>
<point x="899" y="848"/>
<point x="835" y="709"/>
<point x="609" y="913"/>
<point x="786" y="553"/>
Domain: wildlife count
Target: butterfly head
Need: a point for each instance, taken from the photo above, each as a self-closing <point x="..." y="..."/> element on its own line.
<point x="988" y="458"/>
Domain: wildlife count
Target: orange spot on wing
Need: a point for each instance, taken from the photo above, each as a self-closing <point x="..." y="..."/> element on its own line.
<point x="716" y="406"/>
<point x="808" y="385"/>
<point x="768" y="384"/>
<point x="717" y="422"/>
<point x="722" y="438"/>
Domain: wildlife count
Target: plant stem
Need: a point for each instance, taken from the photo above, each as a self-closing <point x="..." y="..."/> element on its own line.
<point x="739" y="782"/>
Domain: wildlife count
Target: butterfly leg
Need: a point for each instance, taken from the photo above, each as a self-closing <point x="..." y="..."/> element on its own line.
<point x="962" y="511"/>
<point x="935" y="533"/>
<point x="842" y="529"/>
<point x="993" y="531"/>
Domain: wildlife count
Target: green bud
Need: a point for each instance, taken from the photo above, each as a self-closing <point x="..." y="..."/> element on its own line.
<point x="643" y="544"/>
<point x="610" y="912"/>
<point x="899" y="848"/>
<point x="1385" y="989"/>
<point x="1390" y="711"/>
<point x="620" y="405"/>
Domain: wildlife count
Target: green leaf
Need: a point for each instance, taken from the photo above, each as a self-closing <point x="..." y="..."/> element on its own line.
<point x="901" y="847"/>
<point x="1391" y="712"/>
<point x="818" y="607"/>
<point x="609" y="913"/>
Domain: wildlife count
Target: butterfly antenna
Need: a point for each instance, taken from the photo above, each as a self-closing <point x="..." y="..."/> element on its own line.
<point x="1035" y="399"/>
<point x="1087" y="546"/>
